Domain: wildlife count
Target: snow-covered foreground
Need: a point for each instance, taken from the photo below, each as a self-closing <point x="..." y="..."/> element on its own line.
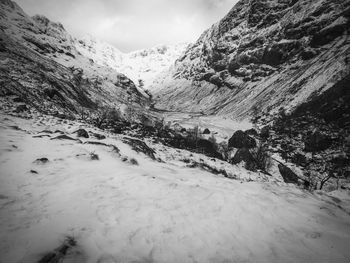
<point x="153" y="211"/>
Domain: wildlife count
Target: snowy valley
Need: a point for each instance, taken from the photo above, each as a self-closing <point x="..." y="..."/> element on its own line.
<point x="233" y="149"/>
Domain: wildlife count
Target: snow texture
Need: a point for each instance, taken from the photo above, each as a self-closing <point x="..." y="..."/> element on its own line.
<point x="153" y="211"/>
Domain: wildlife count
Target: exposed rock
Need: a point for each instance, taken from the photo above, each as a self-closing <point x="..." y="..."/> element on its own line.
<point x="46" y="131"/>
<point x="41" y="160"/>
<point x="209" y="168"/>
<point x="59" y="253"/>
<point x="115" y="148"/>
<point x="241" y="140"/>
<point x="288" y="175"/>
<point x="41" y="136"/>
<point x="99" y="136"/>
<point x="133" y="161"/>
<point x="140" y="146"/>
<point x="82" y="133"/>
<point x="206" y="131"/>
<point x="64" y="137"/>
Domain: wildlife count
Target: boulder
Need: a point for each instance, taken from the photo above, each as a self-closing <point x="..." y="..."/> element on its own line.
<point x="206" y="131"/>
<point x="241" y="140"/>
<point x="98" y="136"/>
<point x="41" y="160"/>
<point x="216" y="80"/>
<point x="288" y="175"/>
<point x="82" y="133"/>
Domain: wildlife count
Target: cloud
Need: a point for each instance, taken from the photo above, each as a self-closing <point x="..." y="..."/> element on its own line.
<point x="133" y="24"/>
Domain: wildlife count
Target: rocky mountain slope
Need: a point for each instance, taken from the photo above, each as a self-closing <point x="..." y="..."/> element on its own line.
<point x="41" y="65"/>
<point x="263" y="55"/>
<point x="141" y="66"/>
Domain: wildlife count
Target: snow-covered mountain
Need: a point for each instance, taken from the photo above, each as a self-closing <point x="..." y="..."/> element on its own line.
<point x="41" y="64"/>
<point x="141" y="66"/>
<point x="90" y="185"/>
<point x="263" y="55"/>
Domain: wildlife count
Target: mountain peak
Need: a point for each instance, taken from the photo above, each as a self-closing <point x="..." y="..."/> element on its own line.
<point x="9" y="3"/>
<point x="45" y="22"/>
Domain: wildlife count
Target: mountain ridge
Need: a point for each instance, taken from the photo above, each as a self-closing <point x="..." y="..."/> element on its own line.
<point x="142" y="65"/>
<point x="45" y="44"/>
<point x="262" y="54"/>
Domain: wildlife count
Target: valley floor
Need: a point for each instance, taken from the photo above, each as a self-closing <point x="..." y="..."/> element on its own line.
<point x="221" y="126"/>
<point x="153" y="211"/>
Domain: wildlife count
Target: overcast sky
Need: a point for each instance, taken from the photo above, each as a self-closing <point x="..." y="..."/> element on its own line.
<point x="133" y="24"/>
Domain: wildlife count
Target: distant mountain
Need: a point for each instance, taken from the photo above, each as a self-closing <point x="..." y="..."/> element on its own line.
<point x="143" y="65"/>
<point x="40" y="63"/>
<point x="264" y="55"/>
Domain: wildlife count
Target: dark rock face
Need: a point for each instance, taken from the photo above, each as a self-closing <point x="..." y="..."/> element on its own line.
<point x="82" y="133"/>
<point x="206" y="131"/>
<point x="241" y="140"/>
<point x="317" y="141"/>
<point x="288" y="175"/>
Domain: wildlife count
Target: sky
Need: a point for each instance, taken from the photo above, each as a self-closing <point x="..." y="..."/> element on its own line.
<point x="133" y="24"/>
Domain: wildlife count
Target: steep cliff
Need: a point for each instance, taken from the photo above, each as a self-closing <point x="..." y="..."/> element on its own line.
<point x="41" y="65"/>
<point x="263" y="55"/>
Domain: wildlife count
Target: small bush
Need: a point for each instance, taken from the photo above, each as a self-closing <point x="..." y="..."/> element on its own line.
<point x="105" y="116"/>
<point x="262" y="157"/>
<point x="94" y="156"/>
<point x="134" y="161"/>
